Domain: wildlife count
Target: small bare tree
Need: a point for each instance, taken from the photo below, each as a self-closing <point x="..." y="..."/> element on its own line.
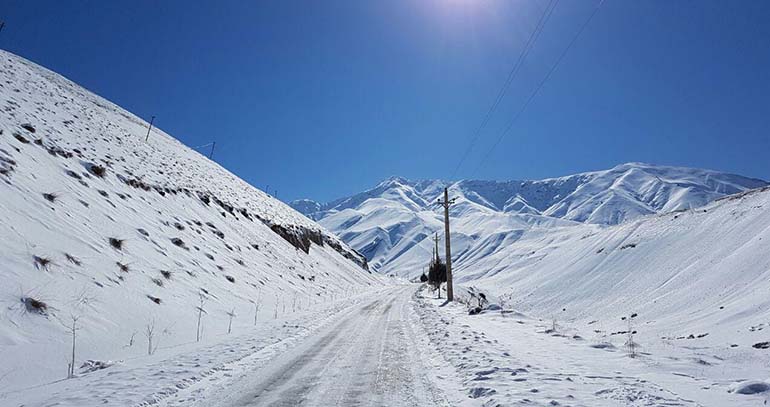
<point x="201" y="311"/>
<point x="131" y="340"/>
<point x="505" y="301"/>
<point x="230" y="314"/>
<point x="149" y="332"/>
<point x="73" y="327"/>
<point x="275" y="314"/>
<point x="257" y="304"/>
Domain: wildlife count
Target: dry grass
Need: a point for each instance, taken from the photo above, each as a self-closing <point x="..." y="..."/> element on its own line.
<point x="166" y="274"/>
<point x="154" y="299"/>
<point x="43" y="263"/>
<point x="50" y="197"/>
<point x="72" y="259"/>
<point x="98" y="170"/>
<point x="35" y="306"/>
<point x="116" y="243"/>
<point x="123" y="267"/>
<point x="178" y="242"/>
<point x="20" y="138"/>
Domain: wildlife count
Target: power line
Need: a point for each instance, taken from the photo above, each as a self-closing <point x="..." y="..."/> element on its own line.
<point x="534" y="35"/>
<point x="539" y="86"/>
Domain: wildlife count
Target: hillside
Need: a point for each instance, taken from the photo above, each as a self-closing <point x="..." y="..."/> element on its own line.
<point x="119" y="234"/>
<point x="390" y="224"/>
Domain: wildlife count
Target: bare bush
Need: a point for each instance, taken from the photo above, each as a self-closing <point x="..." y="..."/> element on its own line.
<point x="34" y="306"/>
<point x="42" y="263"/>
<point x="98" y="170"/>
<point x="116" y="243"/>
<point x="21" y="138"/>
<point x="72" y="259"/>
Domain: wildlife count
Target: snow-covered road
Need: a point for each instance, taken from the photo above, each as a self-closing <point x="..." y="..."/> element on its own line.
<point x="369" y="355"/>
<point x="399" y="346"/>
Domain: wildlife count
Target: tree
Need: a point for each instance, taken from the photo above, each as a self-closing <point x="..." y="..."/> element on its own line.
<point x="201" y="311"/>
<point x="257" y="303"/>
<point x="230" y="314"/>
<point x="73" y="327"/>
<point x="436" y="269"/>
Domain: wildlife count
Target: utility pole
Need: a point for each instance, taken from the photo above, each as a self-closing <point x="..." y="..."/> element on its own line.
<point x="2" y="24"/>
<point x="149" y="129"/>
<point x="446" y="202"/>
<point x="211" y="154"/>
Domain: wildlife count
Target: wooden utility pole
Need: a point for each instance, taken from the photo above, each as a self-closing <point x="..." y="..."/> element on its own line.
<point x="149" y="129"/>
<point x="2" y="24"/>
<point x="211" y="154"/>
<point x="446" y="202"/>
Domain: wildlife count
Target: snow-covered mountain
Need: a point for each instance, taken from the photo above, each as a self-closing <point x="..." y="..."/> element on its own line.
<point x="122" y="233"/>
<point x="390" y="224"/>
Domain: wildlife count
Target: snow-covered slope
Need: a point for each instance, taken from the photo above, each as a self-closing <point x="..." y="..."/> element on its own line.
<point x="124" y="234"/>
<point x="390" y="224"/>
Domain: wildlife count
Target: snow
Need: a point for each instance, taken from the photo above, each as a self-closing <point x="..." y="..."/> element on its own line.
<point x="512" y="358"/>
<point x="184" y="228"/>
<point x="566" y="263"/>
<point x="391" y="224"/>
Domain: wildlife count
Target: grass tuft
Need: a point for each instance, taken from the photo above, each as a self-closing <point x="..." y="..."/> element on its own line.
<point x="35" y="306"/>
<point x="50" y="197"/>
<point x="72" y="259"/>
<point x="98" y="170"/>
<point x="154" y="299"/>
<point x="43" y="263"/>
<point x="116" y="243"/>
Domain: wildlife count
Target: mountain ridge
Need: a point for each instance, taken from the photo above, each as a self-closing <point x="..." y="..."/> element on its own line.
<point x="387" y="221"/>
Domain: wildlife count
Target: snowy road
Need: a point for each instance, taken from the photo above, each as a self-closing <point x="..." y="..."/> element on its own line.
<point x="367" y="357"/>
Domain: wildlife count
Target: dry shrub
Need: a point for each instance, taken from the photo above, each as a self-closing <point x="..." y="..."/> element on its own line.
<point x="43" y="263"/>
<point x="35" y="306"/>
<point x="72" y="259"/>
<point x="98" y="170"/>
<point x="116" y="243"/>
<point x="50" y="197"/>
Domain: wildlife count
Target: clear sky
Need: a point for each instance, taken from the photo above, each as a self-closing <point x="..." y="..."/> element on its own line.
<point x="321" y="99"/>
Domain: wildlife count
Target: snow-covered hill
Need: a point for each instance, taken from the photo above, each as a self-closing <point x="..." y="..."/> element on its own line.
<point x="120" y="234"/>
<point x="390" y="224"/>
<point x="689" y="266"/>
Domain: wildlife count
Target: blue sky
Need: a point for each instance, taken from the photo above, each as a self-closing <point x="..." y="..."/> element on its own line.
<point x="321" y="99"/>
